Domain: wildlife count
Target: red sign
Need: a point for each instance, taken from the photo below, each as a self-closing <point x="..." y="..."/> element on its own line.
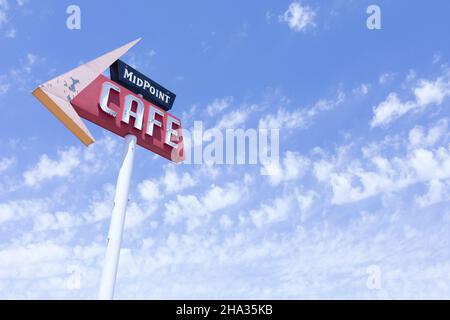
<point x="117" y="109"/>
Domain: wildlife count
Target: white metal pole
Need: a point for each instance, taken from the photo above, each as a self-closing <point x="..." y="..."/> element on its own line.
<point x="106" y="291"/>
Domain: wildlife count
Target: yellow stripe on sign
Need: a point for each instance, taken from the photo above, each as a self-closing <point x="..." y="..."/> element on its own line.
<point x="68" y="118"/>
<point x="57" y="93"/>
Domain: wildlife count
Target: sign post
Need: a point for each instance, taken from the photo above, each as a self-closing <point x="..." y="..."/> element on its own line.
<point x="128" y="104"/>
<point x="108" y="280"/>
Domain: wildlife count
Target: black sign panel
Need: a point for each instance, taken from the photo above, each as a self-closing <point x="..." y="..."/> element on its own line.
<point x="140" y="84"/>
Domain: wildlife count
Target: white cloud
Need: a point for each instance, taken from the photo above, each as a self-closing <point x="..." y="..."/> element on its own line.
<point x="438" y="191"/>
<point x="226" y="222"/>
<point x="218" y="105"/>
<point x="88" y="160"/>
<point x="92" y="157"/>
<point x="174" y="182"/>
<point x="100" y="208"/>
<point x="4" y="86"/>
<point x="306" y="199"/>
<point x="275" y="244"/>
<point x="386" y="77"/>
<point x="6" y="163"/>
<point x="47" y="266"/>
<point x="355" y="183"/>
<point x="5" y="19"/>
<point x="21" y="77"/>
<point x="196" y="211"/>
<point x="47" y="168"/>
<point x="243" y="230"/>
<point x="353" y="179"/>
<point x="148" y="190"/>
<point x="32" y="253"/>
<point x="11" y="33"/>
<point x="136" y="215"/>
<point x="20" y="209"/>
<point x="283" y="119"/>
<point x="299" y="17"/>
<point x="432" y="92"/>
<point x="234" y="118"/>
<point x="31" y="59"/>
<point x="362" y="90"/>
<point x="418" y="137"/>
<point x="185" y="206"/>
<point x="180" y="265"/>
<point x="276" y="211"/>
<point x="217" y="198"/>
<point x="3" y="8"/>
<point x="140" y="60"/>
<point x="299" y="118"/>
<point x="290" y="167"/>
<point x="437" y="57"/>
<point x="426" y="93"/>
<point x="60" y="220"/>
<point x="389" y="110"/>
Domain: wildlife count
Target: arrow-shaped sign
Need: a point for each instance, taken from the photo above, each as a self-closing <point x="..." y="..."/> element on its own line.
<point x="57" y="93"/>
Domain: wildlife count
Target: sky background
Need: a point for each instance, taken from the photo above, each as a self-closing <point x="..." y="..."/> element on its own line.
<point x="362" y="188"/>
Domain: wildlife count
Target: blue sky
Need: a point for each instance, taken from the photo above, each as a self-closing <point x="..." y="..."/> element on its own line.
<point x="363" y="181"/>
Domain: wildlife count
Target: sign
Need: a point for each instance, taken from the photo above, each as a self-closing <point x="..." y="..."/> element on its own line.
<point x="57" y="93"/>
<point x="117" y="109"/>
<point x="115" y="105"/>
<point x="135" y="81"/>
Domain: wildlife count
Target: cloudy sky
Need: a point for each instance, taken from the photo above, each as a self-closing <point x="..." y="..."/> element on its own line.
<point x="357" y="207"/>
